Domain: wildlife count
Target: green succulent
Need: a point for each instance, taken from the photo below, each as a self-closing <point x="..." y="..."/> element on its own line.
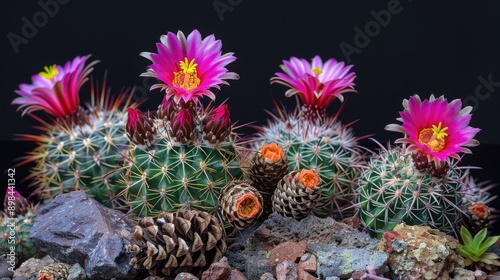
<point x="474" y="249"/>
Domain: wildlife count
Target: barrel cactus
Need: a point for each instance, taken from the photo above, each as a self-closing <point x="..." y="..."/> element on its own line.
<point x="314" y="139"/>
<point x="183" y="154"/>
<point x="80" y="147"/>
<point x="419" y="182"/>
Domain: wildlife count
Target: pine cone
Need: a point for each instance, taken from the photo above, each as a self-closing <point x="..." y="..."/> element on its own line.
<point x="186" y="241"/>
<point x="478" y="217"/>
<point x="54" y="271"/>
<point x="297" y="194"/>
<point x="240" y="204"/>
<point x="268" y="167"/>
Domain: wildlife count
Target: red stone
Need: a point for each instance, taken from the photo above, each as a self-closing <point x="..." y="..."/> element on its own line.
<point x="291" y="251"/>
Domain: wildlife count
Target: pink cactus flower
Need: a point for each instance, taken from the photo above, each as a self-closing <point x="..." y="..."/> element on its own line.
<point x="316" y="83"/>
<point x="436" y="127"/>
<point x="56" y="89"/>
<point x="189" y="67"/>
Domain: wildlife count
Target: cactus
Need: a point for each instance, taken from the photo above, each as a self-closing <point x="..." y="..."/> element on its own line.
<point x="313" y="139"/>
<point x="16" y="221"/>
<point x="185" y="153"/>
<point x="393" y="190"/>
<point x="78" y="148"/>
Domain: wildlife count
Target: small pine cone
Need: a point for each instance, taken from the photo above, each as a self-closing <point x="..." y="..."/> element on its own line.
<point x="184" y="241"/>
<point x="297" y="194"/>
<point x="240" y="204"/>
<point x="268" y="167"/>
<point x="54" y="271"/>
<point x="478" y="217"/>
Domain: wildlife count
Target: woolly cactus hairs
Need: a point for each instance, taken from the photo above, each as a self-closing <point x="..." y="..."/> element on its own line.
<point x="324" y="145"/>
<point x="181" y="169"/>
<point x="83" y="152"/>
<point x="392" y="191"/>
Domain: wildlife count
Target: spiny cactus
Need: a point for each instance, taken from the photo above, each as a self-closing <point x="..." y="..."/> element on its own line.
<point x="185" y="153"/>
<point x="312" y="138"/>
<point x="16" y="221"/>
<point x="78" y="148"/>
<point x="478" y="213"/>
<point x="393" y="190"/>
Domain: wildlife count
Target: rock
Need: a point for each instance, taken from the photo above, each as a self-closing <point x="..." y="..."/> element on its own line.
<point x="6" y="270"/>
<point x="253" y="249"/>
<point x="74" y="228"/>
<point x="256" y="266"/>
<point x="76" y="272"/>
<point x="217" y="271"/>
<point x="31" y="267"/>
<point x="267" y="276"/>
<point x="161" y="278"/>
<point x="308" y="262"/>
<point x="421" y="252"/>
<point x="286" y="270"/>
<point x="291" y="251"/>
<point x="237" y="275"/>
<point x="342" y="262"/>
<point x="354" y="222"/>
<point x="463" y="274"/>
<point x="480" y="275"/>
<point x="185" y="276"/>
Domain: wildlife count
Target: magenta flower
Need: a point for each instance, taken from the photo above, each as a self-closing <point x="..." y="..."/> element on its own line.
<point x="189" y="67"/>
<point x="55" y="90"/>
<point x="436" y="127"/>
<point x="316" y="83"/>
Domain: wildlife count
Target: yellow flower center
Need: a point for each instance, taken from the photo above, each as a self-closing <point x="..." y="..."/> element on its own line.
<point x="49" y="72"/>
<point x="433" y="137"/>
<point x="187" y="78"/>
<point x="317" y="71"/>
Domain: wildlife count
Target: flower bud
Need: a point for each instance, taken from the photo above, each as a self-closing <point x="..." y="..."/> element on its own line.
<point x="182" y="126"/>
<point x="217" y="125"/>
<point x="140" y="128"/>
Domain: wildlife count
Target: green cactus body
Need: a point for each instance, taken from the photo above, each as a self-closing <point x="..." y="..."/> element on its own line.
<point x="84" y="153"/>
<point x="15" y="235"/>
<point x="392" y="191"/>
<point x="324" y="145"/>
<point x="171" y="175"/>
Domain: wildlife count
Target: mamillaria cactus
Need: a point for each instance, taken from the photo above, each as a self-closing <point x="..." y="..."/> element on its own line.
<point x="417" y="183"/>
<point x="312" y="138"/>
<point x="78" y="148"/>
<point x="185" y="153"/>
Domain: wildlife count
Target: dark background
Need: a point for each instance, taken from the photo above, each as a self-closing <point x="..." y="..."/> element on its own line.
<point x="438" y="47"/>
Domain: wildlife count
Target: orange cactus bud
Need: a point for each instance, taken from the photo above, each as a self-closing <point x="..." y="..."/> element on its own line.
<point x="44" y="276"/>
<point x="480" y="210"/>
<point x="272" y="152"/>
<point x="247" y="206"/>
<point x="308" y="178"/>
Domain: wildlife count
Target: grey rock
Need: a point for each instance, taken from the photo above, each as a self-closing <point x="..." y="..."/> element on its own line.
<point x="76" y="272"/>
<point x="31" y="267"/>
<point x="74" y="228"/>
<point x="256" y="266"/>
<point x="6" y="270"/>
<point x="342" y="262"/>
<point x="185" y="276"/>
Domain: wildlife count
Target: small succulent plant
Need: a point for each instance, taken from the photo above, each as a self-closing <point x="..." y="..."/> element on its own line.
<point x="474" y="249"/>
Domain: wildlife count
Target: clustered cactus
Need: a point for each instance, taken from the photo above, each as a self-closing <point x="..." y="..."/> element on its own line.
<point x="187" y="177"/>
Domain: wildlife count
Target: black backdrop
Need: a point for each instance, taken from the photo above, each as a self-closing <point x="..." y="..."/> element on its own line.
<point x="399" y="48"/>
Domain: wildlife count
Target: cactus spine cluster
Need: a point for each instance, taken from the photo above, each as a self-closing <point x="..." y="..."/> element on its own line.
<point x="182" y="157"/>
<point x="392" y="190"/>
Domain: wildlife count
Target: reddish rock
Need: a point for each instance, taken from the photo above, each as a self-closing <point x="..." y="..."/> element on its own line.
<point x="304" y="275"/>
<point x="309" y="263"/>
<point x="354" y="222"/>
<point x="286" y="270"/>
<point x="388" y="237"/>
<point x="291" y="251"/>
<point x="218" y="271"/>
<point x="237" y="275"/>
